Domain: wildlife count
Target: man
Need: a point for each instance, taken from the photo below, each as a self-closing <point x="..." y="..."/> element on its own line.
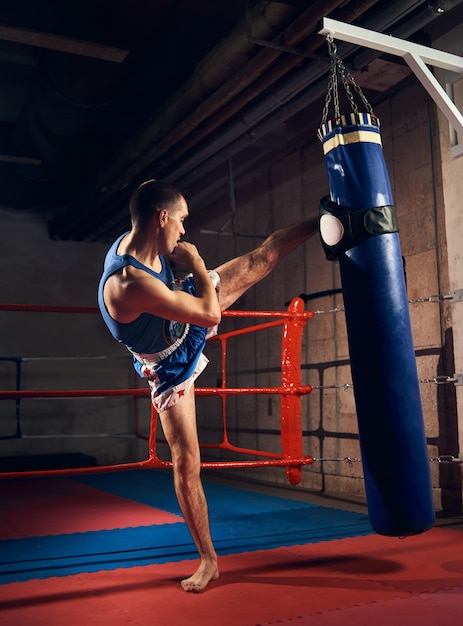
<point x="138" y="301"/>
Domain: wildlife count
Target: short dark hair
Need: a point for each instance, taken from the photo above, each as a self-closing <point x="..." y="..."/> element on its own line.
<point x="151" y="196"/>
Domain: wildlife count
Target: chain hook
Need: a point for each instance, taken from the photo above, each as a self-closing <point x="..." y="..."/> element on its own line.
<point x="337" y="68"/>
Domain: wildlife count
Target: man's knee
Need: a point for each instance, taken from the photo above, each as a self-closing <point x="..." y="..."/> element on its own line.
<point x="187" y="465"/>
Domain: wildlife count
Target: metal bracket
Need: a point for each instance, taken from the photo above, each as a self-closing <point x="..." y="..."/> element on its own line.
<point x="415" y="55"/>
<point x="457" y="295"/>
<point x="458" y="379"/>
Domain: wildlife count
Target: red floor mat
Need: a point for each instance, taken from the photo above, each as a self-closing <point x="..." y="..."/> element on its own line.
<point x="356" y="581"/>
<point x="67" y="506"/>
<point x="424" y="609"/>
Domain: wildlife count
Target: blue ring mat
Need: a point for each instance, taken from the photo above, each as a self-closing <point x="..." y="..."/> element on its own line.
<point x="241" y="521"/>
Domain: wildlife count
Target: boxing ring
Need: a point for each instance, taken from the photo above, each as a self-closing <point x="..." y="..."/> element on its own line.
<point x="292" y="322"/>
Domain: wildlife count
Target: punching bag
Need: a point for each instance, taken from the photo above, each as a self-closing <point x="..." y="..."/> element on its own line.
<point x="358" y="227"/>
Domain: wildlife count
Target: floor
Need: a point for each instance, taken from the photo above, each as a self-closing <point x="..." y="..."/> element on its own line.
<point x="110" y="549"/>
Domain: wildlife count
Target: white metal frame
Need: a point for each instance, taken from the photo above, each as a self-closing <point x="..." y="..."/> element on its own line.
<point x="417" y="57"/>
<point x="455" y="147"/>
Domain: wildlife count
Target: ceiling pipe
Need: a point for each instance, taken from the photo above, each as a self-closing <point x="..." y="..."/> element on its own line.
<point x="302" y="28"/>
<point x="348" y="14"/>
<point x="213" y="112"/>
<point x="284" y="65"/>
<point x="219" y="66"/>
<point x="299" y="29"/>
<point x="281" y="103"/>
<point x="304" y="99"/>
<point x="421" y="18"/>
<point x="404" y="29"/>
<point x="224" y="101"/>
<point x="243" y="137"/>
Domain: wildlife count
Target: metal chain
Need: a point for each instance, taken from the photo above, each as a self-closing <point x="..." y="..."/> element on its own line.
<point x="339" y="309"/>
<point x="443" y="458"/>
<point x="345" y="386"/>
<point x="439" y="380"/>
<point x="347" y="78"/>
<point x="332" y="91"/>
<point x="434" y="298"/>
<point x="443" y="379"/>
<point x="347" y="459"/>
<point x="337" y="67"/>
<point x="437" y="298"/>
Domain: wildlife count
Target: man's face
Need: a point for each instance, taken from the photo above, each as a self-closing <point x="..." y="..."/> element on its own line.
<point x="174" y="225"/>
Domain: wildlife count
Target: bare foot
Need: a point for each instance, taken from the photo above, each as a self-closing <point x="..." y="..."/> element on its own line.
<point x="200" y="579"/>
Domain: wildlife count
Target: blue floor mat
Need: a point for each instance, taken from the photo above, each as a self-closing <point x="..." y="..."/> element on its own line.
<point x="241" y="521"/>
<point x="155" y="488"/>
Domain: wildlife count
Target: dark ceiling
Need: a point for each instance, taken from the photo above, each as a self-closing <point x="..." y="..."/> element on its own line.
<point x="98" y="95"/>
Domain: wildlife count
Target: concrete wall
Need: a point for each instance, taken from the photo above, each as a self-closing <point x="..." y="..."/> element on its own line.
<point x="451" y="194"/>
<point x="429" y="221"/>
<point x="427" y="187"/>
<point x="59" y="351"/>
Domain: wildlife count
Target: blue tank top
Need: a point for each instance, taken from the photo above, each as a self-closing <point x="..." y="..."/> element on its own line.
<point x="148" y="334"/>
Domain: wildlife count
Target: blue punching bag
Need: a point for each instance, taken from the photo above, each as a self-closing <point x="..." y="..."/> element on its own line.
<point x="358" y="227"/>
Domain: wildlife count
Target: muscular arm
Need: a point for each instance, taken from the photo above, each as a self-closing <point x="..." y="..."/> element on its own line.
<point x="133" y="292"/>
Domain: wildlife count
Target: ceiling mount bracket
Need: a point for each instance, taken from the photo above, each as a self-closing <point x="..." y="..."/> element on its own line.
<point x="417" y="57"/>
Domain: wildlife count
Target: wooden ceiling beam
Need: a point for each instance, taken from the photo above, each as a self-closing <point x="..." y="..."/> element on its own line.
<point x="30" y="37"/>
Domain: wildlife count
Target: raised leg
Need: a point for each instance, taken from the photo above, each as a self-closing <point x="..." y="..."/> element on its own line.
<point x="240" y="274"/>
<point x="179" y="425"/>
